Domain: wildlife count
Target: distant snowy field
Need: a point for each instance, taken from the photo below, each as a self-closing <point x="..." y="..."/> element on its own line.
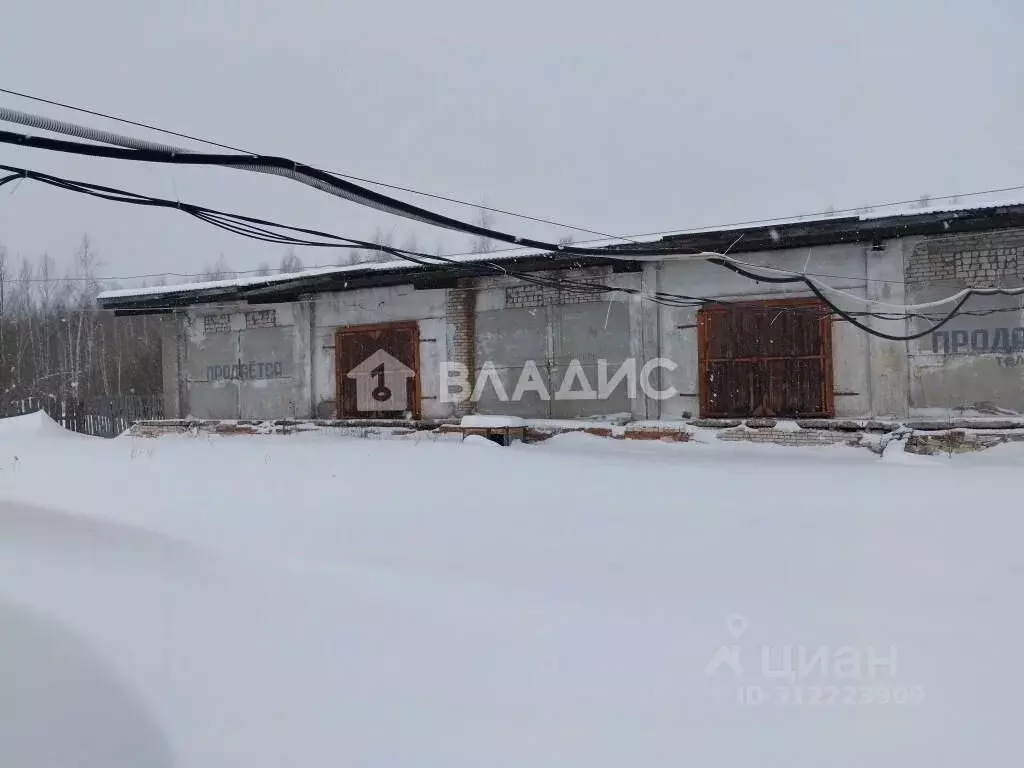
<point x="321" y="601"/>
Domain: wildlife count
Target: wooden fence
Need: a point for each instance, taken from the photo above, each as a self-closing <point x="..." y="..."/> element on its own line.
<point x="102" y="417"/>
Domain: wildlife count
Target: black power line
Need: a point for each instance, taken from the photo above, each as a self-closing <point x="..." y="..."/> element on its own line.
<point x="320" y="180"/>
<point x="269" y="231"/>
<point x="541" y="220"/>
<point x="375" y="182"/>
<point x="262" y="229"/>
<point x="850" y="317"/>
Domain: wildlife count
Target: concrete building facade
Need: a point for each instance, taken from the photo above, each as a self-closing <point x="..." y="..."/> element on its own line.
<point x="400" y="340"/>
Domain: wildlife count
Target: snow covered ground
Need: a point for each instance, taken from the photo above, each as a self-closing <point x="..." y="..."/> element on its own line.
<point x="321" y="601"/>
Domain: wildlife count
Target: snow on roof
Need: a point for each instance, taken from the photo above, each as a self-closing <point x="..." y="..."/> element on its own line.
<point x="384" y="266"/>
<point x="944" y="207"/>
<point x="505" y="254"/>
<point x="868" y="213"/>
<point x="362" y="267"/>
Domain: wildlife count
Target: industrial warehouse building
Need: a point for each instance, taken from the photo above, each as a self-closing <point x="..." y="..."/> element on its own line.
<point x="402" y="340"/>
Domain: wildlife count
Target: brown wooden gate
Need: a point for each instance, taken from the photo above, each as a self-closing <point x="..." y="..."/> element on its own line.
<point x="377" y="371"/>
<point x="768" y="358"/>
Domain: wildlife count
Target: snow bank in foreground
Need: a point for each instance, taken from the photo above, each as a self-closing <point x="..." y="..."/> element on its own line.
<point x="479" y="440"/>
<point x="36" y="424"/>
<point x="63" y="704"/>
<point x="305" y="601"/>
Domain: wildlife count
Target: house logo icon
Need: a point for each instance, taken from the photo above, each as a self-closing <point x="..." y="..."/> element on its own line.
<point x="381" y="383"/>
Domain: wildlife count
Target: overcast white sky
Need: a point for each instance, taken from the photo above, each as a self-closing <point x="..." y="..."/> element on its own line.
<point x="624" y="117"/>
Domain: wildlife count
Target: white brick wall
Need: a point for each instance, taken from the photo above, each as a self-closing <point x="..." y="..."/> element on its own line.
<point x="525" y="296"/>
<point x="977" y="260"/>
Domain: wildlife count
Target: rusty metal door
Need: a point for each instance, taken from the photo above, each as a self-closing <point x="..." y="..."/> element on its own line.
<point x="771" y="358"/>
<point x="377" y="371"/>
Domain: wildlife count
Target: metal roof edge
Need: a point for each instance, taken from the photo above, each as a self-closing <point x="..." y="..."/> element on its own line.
<point x="280" y="290"/>
<point x="769" y="237"/>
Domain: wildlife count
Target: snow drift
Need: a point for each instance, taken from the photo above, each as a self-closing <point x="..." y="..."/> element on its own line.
<point x="314" y="601"/>
<point x="62" y="704"/>
<point x="36" y="424"/>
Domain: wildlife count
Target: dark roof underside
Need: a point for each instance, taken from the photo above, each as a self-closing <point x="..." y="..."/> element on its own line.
<point x="851" y="229"/>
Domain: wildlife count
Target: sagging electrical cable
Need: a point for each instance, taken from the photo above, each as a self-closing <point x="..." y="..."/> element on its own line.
<point x="603" y="235"/>
<point x="961" y="298"/>
<point x="138" y="150"/>
<point x="262" y="229"/>
<point x="374" y="182"/>
<point x="126" y="147"/>
<point x="258" y="229"/>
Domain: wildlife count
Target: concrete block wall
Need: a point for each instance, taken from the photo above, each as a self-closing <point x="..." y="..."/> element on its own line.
<point x="887" y="370"/>
<point x="976" y="361"/>
<point x="207" y="353"/>
<point x="561" y="340"/>
<point x="170" y="350"/>
<point x="238" y="361"/>
<point x="503" y="320"/>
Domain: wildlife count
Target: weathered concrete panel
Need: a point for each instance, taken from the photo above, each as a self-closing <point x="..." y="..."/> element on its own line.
<point x="886" y="374"/>
<point x="645" y="337"/>
<point x="169" y="355"/>
<point x="240" y="362"/>
<point x="512" y="336"/>
<point x="265" y="354"/>
<point x="267" y="373"/>
<point x="592" y="331"/>
<point x="518" y="322"/>
<point x="433" y="332"/>
<point x="585" y="379"/>
<point x="378" y="305"/>
<point x="267" y="400"/>
<point x="587" y="334"/>
<point x="506" y="340"/>
<point x="213" y="400"/>
<point x="303" y="318"/>
<point x="977" y="359"/>
<point x="850" y="362"/>
<point x="841" y="266"/>
<point x="209" y="394"/>
<point x="973" y="360"/>
<point x="530" y="403"/>
<point x="679" y="345"/>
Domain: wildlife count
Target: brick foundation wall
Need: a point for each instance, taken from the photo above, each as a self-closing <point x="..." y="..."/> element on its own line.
<point x="783" y="437"/>
<point x="948" y="441"/>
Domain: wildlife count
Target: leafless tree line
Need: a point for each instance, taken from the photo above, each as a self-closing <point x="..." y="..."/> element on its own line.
<point x="56" y="346"/>
<point x="291" y="262"/>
